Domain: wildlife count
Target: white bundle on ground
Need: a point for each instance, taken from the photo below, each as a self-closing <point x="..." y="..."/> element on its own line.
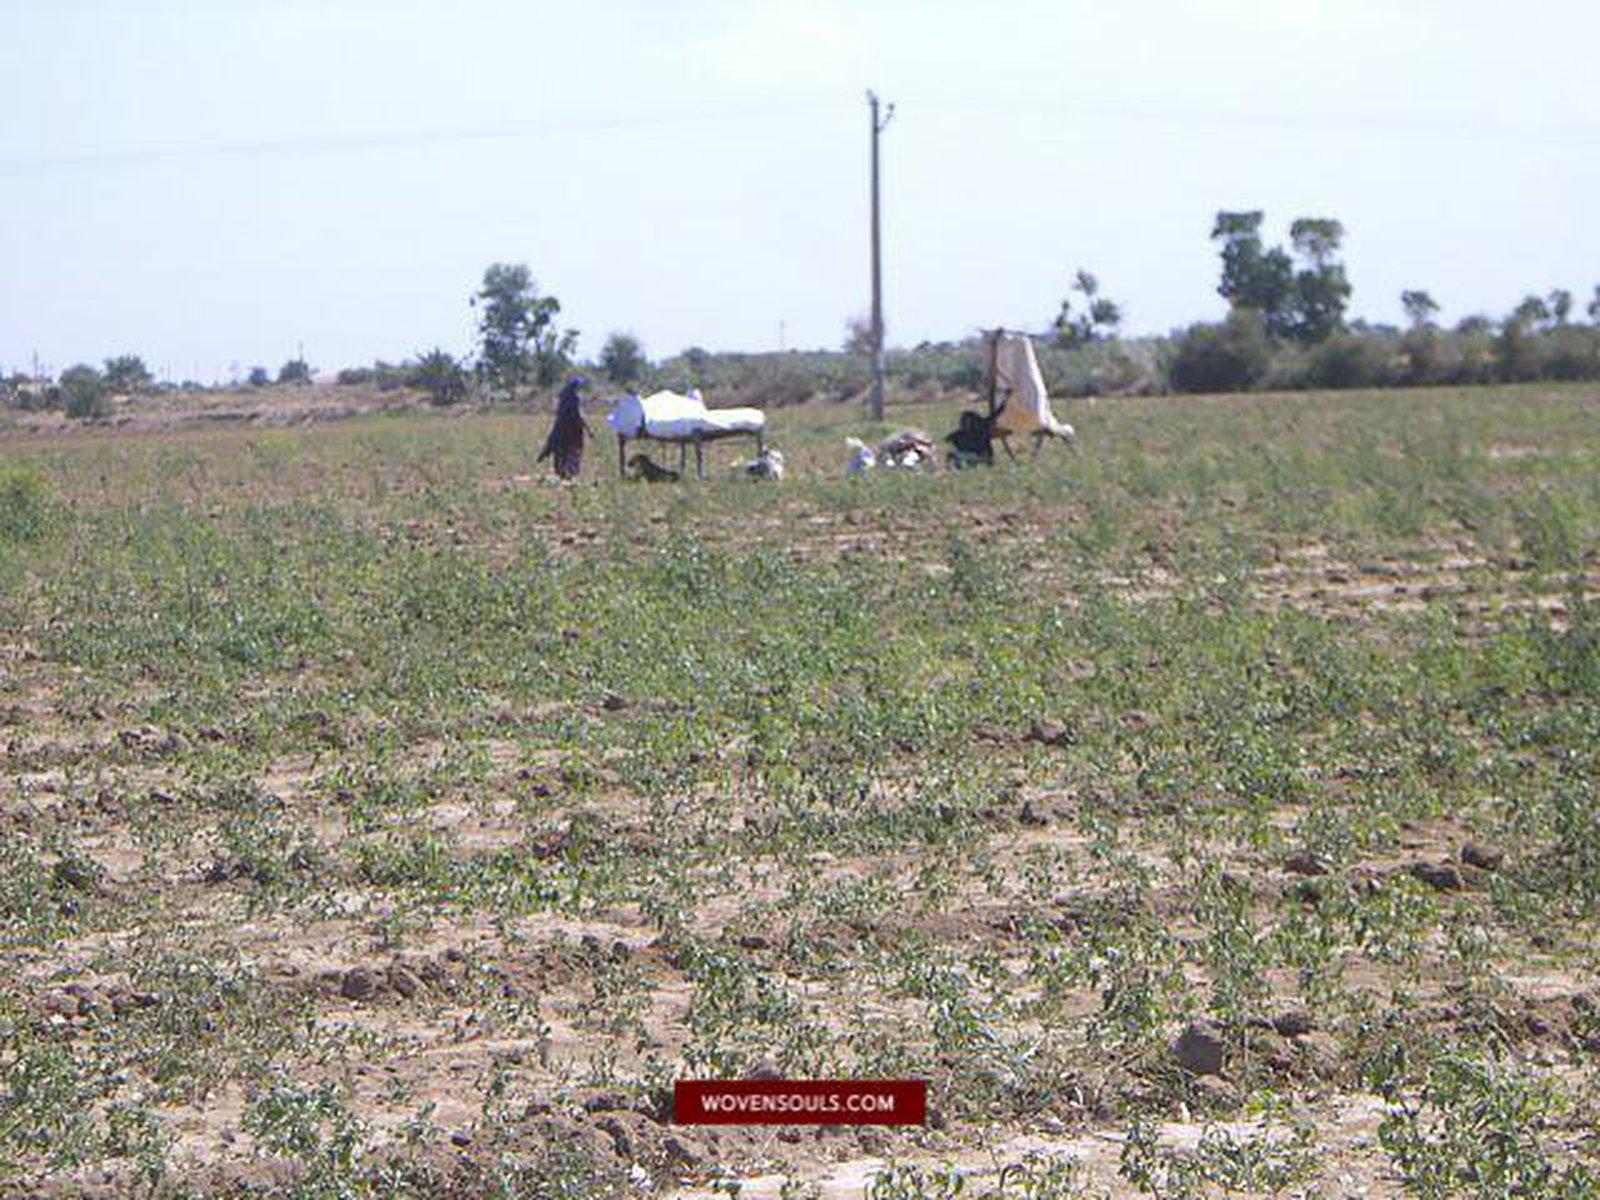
<point x="1020" y="382"/>
<point x="862" y="456"/>
<point x="766" y="465"/>
<point x="671" y="417"/>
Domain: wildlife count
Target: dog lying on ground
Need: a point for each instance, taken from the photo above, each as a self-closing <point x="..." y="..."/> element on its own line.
<point x="645" y="468"/>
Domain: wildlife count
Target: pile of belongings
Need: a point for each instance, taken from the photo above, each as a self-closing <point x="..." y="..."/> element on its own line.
<point x="908" y="450"/>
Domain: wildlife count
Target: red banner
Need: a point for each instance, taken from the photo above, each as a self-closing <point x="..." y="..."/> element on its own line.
<point x="800" y="1102"/>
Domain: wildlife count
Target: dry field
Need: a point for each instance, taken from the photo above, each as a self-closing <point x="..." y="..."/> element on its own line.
<point x="1209" y="812"/>
<point x="267" y="407"/>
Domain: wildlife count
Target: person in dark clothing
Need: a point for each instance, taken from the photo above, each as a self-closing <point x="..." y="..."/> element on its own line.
<point x="566" y="435"/>
<point x="973" y="440"/>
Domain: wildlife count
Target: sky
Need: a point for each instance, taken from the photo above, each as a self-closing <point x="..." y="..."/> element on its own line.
<point x="215" y="185"/>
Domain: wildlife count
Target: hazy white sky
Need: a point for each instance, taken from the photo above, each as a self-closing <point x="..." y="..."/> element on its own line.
<point x="213" y="183"/>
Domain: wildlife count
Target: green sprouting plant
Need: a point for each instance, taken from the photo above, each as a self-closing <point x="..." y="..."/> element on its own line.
<point x="1042" y="1176"/>
<point x="26" y="509"/>
<point x="47" y="1099"/>
<point x="1221" y="1159"/>
<point x="1479" y="1128"/>
<point x="134" y="1132"/>
<point x="314" y="1126"/>
<point x="1551" y="530"/>
<point x="903" y="1181"/>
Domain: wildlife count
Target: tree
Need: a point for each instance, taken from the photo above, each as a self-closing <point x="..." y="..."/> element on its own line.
<point x="1532" y="311"/>
<point x="259" y="377"/>
<point x="1321" y="289"/>
<point x="1253" y="277"/>
<point x="84" y="391"/>
<point x="296" y="371"/>
<point x="127" y="373"/>
<point x="622" y="358"/>
<point x="1419" y="307"/>
<point x="441" y="376"/>
<point x="516" y="324"/>
<point x="1421" y="342"/>
<point x="1306" y="305"/>
<point x="554" y="357"/>
<point x="858" y="339"/>
<point x="1316" y="239"/>
<point x="1560" y="301"/>
<point x="1594" y="307"/>
<point x="1100" y="317"/>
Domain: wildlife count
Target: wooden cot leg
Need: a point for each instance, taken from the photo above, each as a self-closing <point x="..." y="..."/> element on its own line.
<point x="683" y="458"/>
<point x="1010" y="453"/>
<point x="622" y="457"/>
<point x="699" y="463"/>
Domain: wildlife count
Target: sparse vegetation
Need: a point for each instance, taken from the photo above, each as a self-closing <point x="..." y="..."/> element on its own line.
<point x="1222" y="790"/>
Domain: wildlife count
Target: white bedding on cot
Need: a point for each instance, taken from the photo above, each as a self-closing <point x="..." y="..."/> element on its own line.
<point x="673" y="417"/>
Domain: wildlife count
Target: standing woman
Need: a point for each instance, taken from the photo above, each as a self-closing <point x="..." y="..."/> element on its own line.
<point x="566" y="436"/>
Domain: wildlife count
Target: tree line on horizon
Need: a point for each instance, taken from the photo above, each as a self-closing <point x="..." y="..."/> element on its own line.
<point x="1286" y="329"/>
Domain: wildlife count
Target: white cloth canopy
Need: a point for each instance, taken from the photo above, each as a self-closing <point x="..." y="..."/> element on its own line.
<point x="1019" y="382"/>
<point x="671" y="417"/>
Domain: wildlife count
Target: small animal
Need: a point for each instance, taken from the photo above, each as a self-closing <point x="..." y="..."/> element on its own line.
<point x="862" y="456"/>
<point x="766" y="465"/>
<point x="647" y="469"/>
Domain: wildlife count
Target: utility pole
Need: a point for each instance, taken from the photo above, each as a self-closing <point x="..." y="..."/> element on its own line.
<point x="878" y="126"/>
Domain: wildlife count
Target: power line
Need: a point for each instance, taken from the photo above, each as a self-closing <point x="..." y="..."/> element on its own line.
<point x="1384" y="126"/>
<point x="1379" y="125"/>
<point x="400" y="139"/>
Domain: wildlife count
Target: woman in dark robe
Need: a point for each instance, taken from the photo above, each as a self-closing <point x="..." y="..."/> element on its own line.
<point x="566" y="436"/>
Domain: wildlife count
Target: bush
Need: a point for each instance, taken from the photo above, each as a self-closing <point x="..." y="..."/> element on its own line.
<point x="1423" y="359"/>
<point x="83" y="390"/>
<point x="295" y="371"/>
<point x="127" y="373"/>
<point x="354" y="376"/>
<point x="441" y="376"/>
<point x="1572" y="353"/>
<point x="1348" y="360"/>
<point x="1229" y="357"/>
<point x="1517" y="356"/>
<point x="778" y="383"/>
<point x="1097" y="368"/>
